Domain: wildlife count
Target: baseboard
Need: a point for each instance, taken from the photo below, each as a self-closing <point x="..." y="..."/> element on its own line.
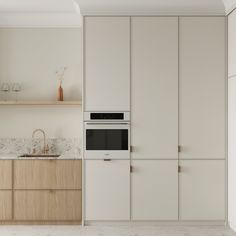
<point x="154" y="223"/>
<point x="32" y="222"/>
<point x="232" y="226"/>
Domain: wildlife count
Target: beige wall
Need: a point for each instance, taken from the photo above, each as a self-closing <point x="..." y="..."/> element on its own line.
<point x="232" y="118"/>
<point x="31" y="57"/>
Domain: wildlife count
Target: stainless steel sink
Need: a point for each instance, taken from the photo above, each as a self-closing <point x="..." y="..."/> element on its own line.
<point x="40" y="155"/>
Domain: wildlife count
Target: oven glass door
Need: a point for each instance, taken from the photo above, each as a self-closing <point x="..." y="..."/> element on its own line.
<point x="107" y="139"/>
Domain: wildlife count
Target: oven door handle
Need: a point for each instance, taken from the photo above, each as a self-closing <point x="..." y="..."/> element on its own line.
<point x="100" y="123"/>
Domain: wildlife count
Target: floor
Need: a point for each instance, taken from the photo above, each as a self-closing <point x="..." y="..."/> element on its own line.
<point x="115" y="231"/>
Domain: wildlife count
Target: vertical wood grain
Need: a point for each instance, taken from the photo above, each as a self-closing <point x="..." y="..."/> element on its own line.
<point x="47" y="174"/>
<point x="5" y="205"/>
<point x="48" y="205"/>
<point x="5" y="174"/>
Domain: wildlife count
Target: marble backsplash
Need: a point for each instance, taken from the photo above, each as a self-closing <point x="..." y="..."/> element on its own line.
<point x="62" y="146"/>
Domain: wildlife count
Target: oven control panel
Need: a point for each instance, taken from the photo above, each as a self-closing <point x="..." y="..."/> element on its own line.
<point x="106" y="116"/>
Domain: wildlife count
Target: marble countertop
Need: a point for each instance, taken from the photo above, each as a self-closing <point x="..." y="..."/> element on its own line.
<point x="12" y="148"/>
<point x="62" y="157"/>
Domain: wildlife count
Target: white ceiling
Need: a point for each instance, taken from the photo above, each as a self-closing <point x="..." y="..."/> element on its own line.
<point x="65" y="11"/>
<point x="120" y="6"/>
<point x="151" y="6"/>
<point x="229" y="5"/>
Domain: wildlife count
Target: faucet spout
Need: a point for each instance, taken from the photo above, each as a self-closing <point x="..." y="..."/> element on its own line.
<point x="45" y="146"/>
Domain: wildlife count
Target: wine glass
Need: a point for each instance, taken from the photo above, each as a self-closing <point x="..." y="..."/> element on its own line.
<point x="5" y="88"/>
<point x="16" y="87"/>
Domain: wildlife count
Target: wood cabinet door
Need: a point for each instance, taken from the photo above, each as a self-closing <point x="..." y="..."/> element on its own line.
<point x="47" y="174"/>
<point x="154" y="190"/>
<point x="48" y="205"/>
<point x="107" y="64"/>
<point x="154" y="90"/>
<point x="5" y="174"/>
<point x="5" y="205"/>
<point x="202" y="85"/>
<point x="107" y="191"/>
<point x="202" y="190"/>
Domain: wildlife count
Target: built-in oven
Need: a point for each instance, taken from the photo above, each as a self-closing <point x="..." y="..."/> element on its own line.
<point x="107" y="135"/>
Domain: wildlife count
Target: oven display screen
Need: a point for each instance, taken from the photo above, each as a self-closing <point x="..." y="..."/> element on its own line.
<point x="107" y="139"/>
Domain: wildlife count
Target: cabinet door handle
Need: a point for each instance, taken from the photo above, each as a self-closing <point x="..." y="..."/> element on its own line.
<point x="108" y="123"/>
<point x="179" y="169"/>
<point x="52" y="191"/>
<point x="131" y="148"/>
<point x="180" y="148"/>
<point x="107" y="159"/>
<point x="131" y="169"/>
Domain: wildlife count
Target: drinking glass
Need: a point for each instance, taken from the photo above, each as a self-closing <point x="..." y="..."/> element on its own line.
<point x="5" y="88"/>
<point x="16" y="87"/>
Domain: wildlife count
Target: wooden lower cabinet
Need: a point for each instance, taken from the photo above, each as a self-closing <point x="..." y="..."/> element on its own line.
<point x="5" y="174"/>
<point x="47" y="205"/>
<point x="47" y="174"/>
<point x="47" y="190"/>
<point x="5" y="190"/>
<point x="40" y="191"/>
<point x="5" y="205"/>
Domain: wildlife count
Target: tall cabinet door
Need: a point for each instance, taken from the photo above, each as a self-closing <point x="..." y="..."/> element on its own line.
<point x="202" y="87"/>
<point x="107" y="64"/>
<point x="154" y="190"/>
<point x="154" y="89"/>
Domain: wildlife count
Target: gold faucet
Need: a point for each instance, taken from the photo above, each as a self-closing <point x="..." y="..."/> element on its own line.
<point x="45" y="146"/>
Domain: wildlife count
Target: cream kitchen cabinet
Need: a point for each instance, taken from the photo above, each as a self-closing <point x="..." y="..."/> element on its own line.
<point x="202" y="190"/>
<point x="107" y="64"/>
<point x="154" y="91"/>
<point x="202" y="87"/>
<point x="177" y="95"/>
<point x="154" y="190"/>
<point x="107" y="191"/>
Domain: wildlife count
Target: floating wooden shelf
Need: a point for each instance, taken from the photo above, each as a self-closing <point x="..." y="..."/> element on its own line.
<point x="41" y="103"/>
